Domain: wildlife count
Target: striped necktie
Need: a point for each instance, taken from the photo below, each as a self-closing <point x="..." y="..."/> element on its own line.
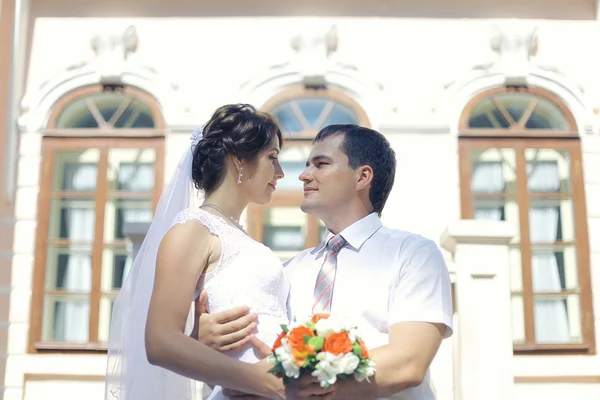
<point x="324" y="286"/>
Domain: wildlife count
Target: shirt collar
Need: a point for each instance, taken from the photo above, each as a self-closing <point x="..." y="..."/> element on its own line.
<point x="357" y="233"/>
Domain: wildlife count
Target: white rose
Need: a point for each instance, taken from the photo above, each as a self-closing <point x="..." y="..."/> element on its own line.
<point x="326" y="327"/>
<point x="369" y="371"/>
<point x="284" y="354"/>
<point x="353" y="335"/>
<point x="327" y="368"/>
<point x="348" y="363"/>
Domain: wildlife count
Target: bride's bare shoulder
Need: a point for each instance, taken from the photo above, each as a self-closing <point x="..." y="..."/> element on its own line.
<point x="191" y="234"/>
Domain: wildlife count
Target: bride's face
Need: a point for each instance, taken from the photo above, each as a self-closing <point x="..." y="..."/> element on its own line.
<point x="266" y="171"/>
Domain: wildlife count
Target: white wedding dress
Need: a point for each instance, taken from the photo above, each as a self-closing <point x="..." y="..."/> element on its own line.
<point x="248" y="274"/>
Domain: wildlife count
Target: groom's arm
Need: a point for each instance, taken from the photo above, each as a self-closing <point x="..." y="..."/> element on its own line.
<point x="420" y="317"/>
<point x="400" y="365"/>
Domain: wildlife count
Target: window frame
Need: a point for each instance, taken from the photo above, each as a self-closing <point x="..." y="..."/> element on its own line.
<point x="293" y="198"/>
<point x="105" y="131"/>
<point x="518" y="138"/>
<point x="104" y="139"/>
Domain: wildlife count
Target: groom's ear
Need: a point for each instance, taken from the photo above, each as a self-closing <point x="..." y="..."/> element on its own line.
<point x="364" y="177"/>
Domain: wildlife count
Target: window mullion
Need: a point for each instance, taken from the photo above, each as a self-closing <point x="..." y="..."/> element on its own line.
<point x="101" y="195"/>
<point x="525" y="243"/>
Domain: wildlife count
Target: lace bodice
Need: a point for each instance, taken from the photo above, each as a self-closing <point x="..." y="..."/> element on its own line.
<point x="248" y="273"/>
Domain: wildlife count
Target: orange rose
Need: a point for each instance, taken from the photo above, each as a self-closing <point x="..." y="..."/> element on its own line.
<point x="295" y="337"/>
<point x="338" y="343"/>
<point x="319" y="316"/>
<point x="365" y="351"/>
<point x="277" y="343"/>
<point x="301" y="354"/>
<point x="300" y="350"/>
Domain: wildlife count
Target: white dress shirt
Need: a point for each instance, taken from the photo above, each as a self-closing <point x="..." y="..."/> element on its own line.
<point x="384" y="276"/>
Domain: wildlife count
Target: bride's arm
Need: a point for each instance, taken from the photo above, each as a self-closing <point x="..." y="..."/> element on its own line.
<point x="184" y="253"/>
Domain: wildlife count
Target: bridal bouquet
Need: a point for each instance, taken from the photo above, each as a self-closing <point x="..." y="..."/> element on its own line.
<point x="323" y="347"/>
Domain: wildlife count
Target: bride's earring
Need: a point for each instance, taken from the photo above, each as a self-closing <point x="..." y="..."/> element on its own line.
<point x="240" y="176"/>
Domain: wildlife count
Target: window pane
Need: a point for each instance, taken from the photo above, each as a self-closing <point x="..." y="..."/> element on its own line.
<point x="551" y="220"/>
<point x="548" y="171"/>
<point x="486" y="115"/>
<point x="76" y="170"/>
<point x="312" y="108"/>
<point x="557" y="319"/>
<point x="493" y="171"/>
<point x="515" y="103"/>
<point x="554" y="269"/>
<point x="340" y="115"/>
<point x="288" y="120"/>
<point x="293" y="161"/>
<point x="137" y="115"/>
<point x="116" y="264"/>
<point x="298" y="115"/>
<point x="547" y="115"/>
<point x="72" y="219"/>
<point x="498" y="209"/>
<point x="518" y="320"/>
<point x="106" y="309"/>
<point x="66" y="319"/>
<point x="131" y="169"/>
<point x="284" y="228"/>
<point x="69" y="268"/>
<point x="120" y="212"/>
<point x="76" y="115"/>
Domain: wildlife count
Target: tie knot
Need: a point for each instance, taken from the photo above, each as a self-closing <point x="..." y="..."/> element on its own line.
<point x="336" y="243"/>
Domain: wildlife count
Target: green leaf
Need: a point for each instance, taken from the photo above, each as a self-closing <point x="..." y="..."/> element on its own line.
<point x="284" y="327"/>
<point x="316" y="342"/>
<point x="277" y="369"/>
<point x="357" y="350"/>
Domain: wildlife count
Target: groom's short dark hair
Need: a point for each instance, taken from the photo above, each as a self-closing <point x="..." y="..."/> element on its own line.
<point x="364" y="146"/>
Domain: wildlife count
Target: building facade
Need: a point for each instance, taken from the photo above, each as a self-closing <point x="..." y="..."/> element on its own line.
<point x="494" y="122"/>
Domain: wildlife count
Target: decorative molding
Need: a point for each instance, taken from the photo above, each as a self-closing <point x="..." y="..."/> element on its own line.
<point x="313" y="51"/>
<point x="314" y="62"/>
<point x="112" y="48"/>
<point x="516" y="44"/>
<point x="115" y="62"/>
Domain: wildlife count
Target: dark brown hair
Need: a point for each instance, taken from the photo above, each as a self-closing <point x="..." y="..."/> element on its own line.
<point x="237" y="130"/>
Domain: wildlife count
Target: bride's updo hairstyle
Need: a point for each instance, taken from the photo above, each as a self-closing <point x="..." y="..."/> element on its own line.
<point x="237" y="130"/>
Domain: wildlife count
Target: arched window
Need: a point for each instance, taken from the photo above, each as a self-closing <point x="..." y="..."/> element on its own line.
<point x="301" y="113"/>
<point x="102" y="172"/>
<point x="520" y="161"/>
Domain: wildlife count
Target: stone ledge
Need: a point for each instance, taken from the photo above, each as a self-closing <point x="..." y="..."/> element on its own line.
<point x="470" y="231"/>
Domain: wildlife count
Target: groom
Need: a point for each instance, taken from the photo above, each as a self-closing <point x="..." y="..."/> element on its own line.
<point x="394" y="282"/>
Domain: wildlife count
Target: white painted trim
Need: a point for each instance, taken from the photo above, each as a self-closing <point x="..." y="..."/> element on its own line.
<point x="461" y="92"/>
<point x="358" y="85"/>
<point x="38" y="104"/>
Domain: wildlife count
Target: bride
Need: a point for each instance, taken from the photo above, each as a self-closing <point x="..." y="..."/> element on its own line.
<point x="151" y="356"/>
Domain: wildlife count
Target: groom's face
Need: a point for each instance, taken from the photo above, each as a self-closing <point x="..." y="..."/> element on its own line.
<point x="329" y="182"/>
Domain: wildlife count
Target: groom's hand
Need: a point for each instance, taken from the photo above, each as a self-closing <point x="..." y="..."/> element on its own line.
<point x="225" y="330"/>
<point x="308" y="387"/>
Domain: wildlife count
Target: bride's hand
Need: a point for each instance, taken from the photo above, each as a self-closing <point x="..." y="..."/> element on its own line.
<point x="225" y="330"/>
<point x="262" y="349"/>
